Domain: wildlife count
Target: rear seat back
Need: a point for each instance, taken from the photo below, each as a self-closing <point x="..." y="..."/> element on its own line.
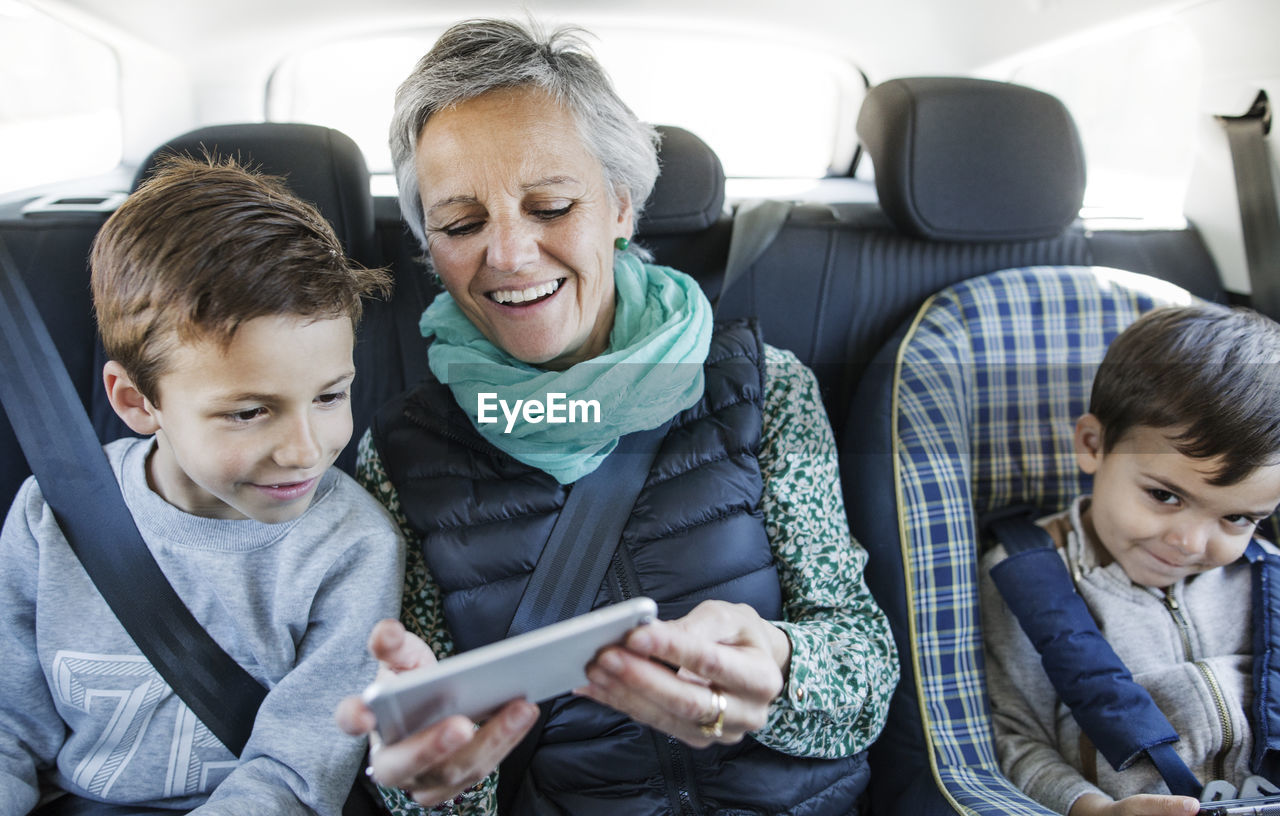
<point x="832" y="287"/>
<point x="51" y="254"/>
<point x="684" y="225"/>
<point x="973" y="176"/>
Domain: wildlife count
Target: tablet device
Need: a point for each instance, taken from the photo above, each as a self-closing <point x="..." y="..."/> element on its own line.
<point x="536" y="666"/>
<point x="1256" y="806"/>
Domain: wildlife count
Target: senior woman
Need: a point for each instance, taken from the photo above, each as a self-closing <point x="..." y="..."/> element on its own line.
<point x="523" y="175"/>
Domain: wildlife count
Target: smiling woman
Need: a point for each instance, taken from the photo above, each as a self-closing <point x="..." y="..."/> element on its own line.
<point x="523" y="173"/>
<point x="512" y="186"/>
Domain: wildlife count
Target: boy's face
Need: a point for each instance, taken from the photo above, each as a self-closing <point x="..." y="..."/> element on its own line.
<point x="1155" y="512"/>
<point x="248" y="431"/>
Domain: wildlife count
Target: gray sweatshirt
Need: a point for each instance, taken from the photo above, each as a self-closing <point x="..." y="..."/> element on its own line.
<point x="82" y="710"/>
<point x="1188" y="658"/>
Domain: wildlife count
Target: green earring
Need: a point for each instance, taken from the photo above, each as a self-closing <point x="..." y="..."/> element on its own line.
<point x="621" y="243"/>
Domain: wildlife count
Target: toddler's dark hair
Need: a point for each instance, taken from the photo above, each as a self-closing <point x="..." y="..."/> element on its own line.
<point x="1207" y="375"/>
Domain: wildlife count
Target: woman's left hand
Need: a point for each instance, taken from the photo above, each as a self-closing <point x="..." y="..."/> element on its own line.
<point x="705" y="678"/>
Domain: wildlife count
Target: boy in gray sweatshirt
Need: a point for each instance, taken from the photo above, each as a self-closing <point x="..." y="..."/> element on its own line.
<point x="1182" y="440"/>
<point x="227" y="309"/>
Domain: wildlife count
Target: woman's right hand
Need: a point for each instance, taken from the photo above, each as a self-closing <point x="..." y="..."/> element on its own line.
<point x="438" y="763"/>
<point x="1143" y="804"/>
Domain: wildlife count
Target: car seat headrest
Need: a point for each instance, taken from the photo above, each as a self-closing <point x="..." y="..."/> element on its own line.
<point x="319" y="164"/>
<point x="963" y="159"/>
<point x="689" y="193"/>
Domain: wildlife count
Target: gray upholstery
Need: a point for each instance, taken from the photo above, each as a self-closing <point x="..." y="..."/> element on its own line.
<point x="962" y="159"/>
<point x="685" y="225"/>
<point x="689" y="193"/>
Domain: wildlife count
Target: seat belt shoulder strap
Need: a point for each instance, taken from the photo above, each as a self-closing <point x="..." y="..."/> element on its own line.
<point x="1112" y="708"/>
<point x="756" y="223"/>
<point x="574" y="562"/>
<point x="1256" y="194"/>
<point x="80" y="488"/>
<point x="1265" y="568"/>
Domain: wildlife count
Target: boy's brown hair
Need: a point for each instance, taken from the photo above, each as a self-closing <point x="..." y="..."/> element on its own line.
<point x="204" y="245"/>
<point x="1208" y="375"/>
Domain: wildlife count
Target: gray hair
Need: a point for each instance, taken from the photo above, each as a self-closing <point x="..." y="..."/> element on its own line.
<point x="477" y="56"/>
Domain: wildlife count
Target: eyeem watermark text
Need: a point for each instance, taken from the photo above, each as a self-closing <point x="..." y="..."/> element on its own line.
<point x="557" y="410"/>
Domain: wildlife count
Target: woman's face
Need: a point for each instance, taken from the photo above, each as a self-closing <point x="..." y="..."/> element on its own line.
<point x="521" y="224"/>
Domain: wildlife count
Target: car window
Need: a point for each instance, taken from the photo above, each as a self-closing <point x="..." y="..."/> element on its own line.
<point x="1135" y="97"/>
<point x="60" y="87"/>
<point x="720" y="87"/>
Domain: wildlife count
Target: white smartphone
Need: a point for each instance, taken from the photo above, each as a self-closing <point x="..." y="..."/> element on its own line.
<point x="1257" y="806"/>
<point x="536" y="666"/>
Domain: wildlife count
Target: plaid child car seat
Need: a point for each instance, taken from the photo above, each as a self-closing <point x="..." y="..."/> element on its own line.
<point x="970" y="408"/>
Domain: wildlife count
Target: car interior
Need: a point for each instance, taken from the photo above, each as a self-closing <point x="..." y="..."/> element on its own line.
<point x="956" y="250"/>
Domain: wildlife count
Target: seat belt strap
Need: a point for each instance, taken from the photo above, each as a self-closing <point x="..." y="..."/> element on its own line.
<point x="80" y="488"/>
<point x="756" y="223"/>
<point x="1173" y="770"/>
<point x="1266" y="655"/>
<point x="1255" y="190"/>
<point x="1112" y="708"/>
<point x="586" y="534"/>
<point x="573" y="564"/>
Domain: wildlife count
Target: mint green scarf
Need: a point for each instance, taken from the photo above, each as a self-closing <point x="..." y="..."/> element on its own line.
<point x="651" y="371"/>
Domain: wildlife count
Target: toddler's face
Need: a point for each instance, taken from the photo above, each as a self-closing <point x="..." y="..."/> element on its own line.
<point x="1155" y="512"/>
<point x="248" y="432"/>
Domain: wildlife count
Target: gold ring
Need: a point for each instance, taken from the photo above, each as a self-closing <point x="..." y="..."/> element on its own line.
<point x="715" y="729"/>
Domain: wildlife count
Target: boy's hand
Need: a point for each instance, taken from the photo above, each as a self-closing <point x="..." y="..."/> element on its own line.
<point x="396" y="649"/>
<point x="1143" y="804"/>
<point x="440" y="762"/>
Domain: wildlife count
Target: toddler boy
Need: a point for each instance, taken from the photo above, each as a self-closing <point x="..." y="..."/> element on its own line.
<point x="227" y="309"/>
<point x="1182" y="440"/>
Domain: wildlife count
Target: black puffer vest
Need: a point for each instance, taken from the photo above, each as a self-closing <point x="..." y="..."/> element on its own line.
<point x="696" y="533"/>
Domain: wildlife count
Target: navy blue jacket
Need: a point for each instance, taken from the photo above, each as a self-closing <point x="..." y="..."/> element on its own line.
<point x="696" y="533"/>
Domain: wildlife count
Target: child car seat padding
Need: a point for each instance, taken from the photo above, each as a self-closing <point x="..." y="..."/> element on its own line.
<point x="1116" y="712"/>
